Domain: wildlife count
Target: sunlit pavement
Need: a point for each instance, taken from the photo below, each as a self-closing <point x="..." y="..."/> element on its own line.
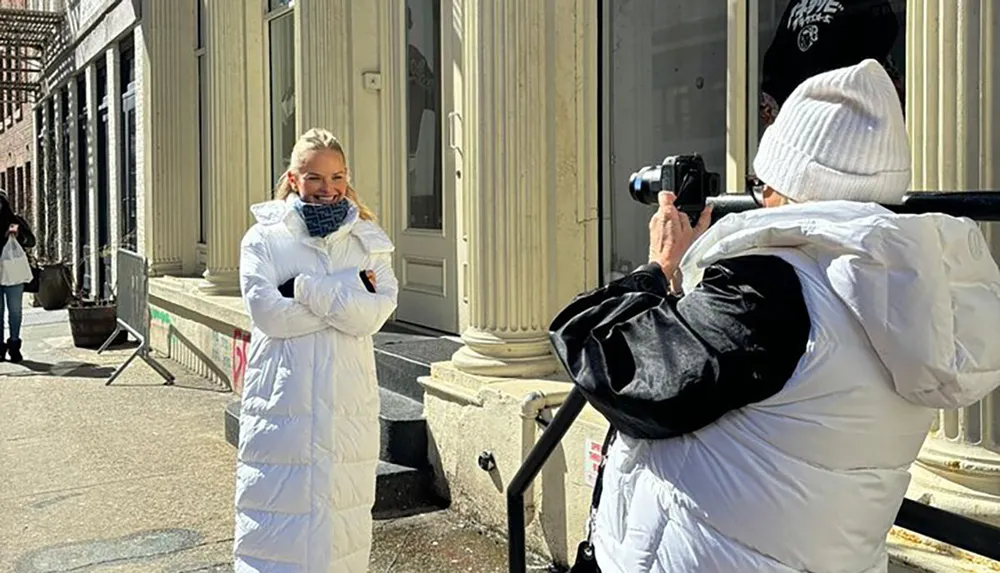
<point x="137" y="476"/>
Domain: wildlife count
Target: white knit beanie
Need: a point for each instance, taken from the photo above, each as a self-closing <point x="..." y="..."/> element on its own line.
<point x="839" y="135"/>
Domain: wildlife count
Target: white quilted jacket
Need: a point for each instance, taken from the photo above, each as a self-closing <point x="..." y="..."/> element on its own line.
<point x="309" y="430"/>
<point x="904" y="313"/>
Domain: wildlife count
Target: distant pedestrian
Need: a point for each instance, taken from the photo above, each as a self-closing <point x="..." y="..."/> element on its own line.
<point x="12" y="280"/>
<point x="317" y="280"/>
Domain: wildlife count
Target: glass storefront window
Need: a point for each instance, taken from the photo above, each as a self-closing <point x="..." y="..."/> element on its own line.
<point x="83" y="185"/>
<point x="424" y="193"/>
<point x="129" y="193"/>
<point x="797" y="39"/>
<point x="281" y="39"/>
<point x="664" y="94"/>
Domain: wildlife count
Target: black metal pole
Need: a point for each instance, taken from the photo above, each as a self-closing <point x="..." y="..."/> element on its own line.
<point x="547" y="442"/>
<point x="977" y="205"/>
<point x="963" y="532"/>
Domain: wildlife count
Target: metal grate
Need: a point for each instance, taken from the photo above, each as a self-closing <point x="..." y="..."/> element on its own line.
<point x="130" y="292"/>
<point x="132" y="308"/>
<point x="25" y="37"/>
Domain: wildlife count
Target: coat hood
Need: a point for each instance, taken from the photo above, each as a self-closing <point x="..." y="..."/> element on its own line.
<point x="924" y="288"/>
<point x="276" y="211"/>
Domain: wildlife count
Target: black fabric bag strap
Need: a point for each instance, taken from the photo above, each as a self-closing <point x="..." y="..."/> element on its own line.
<point x="595" y="499"/>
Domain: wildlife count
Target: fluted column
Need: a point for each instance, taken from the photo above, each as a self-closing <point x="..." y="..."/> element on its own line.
<point x="114" y="160"/>
<point x="61" y="176"/>
<point x="227" y="141"/>
<point x="323" y="81"/>
<point x="73" y="230"/>
<point x="526" y="96"/>
<point x="93" y="240"/>
<point x="35" y="183"/>
<point x="49" y="189"/>
<point x="168" y="155"/>
<point x="953" y="115"/>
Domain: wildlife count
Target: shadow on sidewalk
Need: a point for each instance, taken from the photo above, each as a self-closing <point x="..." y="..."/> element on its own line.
<point x="63" y="369"/>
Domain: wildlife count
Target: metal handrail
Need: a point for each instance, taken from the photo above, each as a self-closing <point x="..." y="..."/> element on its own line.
<point x="941" y="525"/>
<point x="945" y="526"/>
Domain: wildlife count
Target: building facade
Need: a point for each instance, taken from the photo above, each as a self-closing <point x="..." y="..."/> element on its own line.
<point x="495" y="141"/>
<point x="16" y="126"/>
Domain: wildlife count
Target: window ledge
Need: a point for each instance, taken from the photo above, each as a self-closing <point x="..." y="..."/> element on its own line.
<point x="173" y="293"/>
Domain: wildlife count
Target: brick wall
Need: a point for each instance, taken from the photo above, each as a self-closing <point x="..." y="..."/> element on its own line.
<point x="16" y="132"/>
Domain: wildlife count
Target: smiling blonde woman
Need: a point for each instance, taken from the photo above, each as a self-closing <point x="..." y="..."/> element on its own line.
<point x="316" y="278"/>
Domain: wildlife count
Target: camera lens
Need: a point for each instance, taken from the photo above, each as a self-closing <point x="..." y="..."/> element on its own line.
<point x="644" y="185"/>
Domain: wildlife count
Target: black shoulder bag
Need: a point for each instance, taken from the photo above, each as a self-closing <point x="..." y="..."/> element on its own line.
<point x="585" y="561"/>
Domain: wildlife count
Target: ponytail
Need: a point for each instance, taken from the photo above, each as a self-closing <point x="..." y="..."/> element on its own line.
<point x="284" y="188"/>
<point x="364" y="212"/>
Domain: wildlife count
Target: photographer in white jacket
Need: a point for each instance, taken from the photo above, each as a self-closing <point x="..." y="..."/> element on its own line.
<point x="768" y="415"/>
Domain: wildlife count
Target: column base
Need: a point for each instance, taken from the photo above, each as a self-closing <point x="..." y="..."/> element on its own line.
<point x="220" y="283"/>
<point x="518" y="356"/>
<point x="165" y="268"/>
<point x="960" y="478"/>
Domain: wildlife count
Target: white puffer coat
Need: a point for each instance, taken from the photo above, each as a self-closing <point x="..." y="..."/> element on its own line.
<point x="904" y="313"/>
<point x="309" y="429"/>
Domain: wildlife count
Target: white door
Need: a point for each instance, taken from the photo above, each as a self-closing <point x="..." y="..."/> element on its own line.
<point x="426" y="239"/>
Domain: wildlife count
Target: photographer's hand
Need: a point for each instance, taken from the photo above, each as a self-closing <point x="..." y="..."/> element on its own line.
<point x="671" y="234"/>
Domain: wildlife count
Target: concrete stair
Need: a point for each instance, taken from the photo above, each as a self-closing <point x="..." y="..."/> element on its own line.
<point x="405" y="478"/>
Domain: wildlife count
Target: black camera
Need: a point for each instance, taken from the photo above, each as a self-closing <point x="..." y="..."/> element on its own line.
<point x="685" y="175"/>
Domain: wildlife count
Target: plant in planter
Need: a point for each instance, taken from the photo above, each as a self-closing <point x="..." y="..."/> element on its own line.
<point x="54" y="288"/>
<point x="52" y="285"/>
<point x="93" y="320"/>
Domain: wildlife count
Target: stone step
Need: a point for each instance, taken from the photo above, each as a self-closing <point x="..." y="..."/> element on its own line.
<point x="401" y="423"/>
<point x="404" y="483"/>
<point x="402" y="491"/>
<point x="405" y="478"/>
<point x="403" y="431"/>
<point x="403" y="355"/>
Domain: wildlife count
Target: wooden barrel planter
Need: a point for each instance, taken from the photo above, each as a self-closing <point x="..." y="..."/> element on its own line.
<point x="54" y="287"/>
<point x="92" y="323"/>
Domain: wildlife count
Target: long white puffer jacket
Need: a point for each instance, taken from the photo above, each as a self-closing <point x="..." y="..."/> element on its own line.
<point x="309" y="429"/>
<point x="904" y="313"/>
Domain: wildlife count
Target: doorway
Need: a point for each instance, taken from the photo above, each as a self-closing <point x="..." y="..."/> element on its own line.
<point x="426" y="228"/>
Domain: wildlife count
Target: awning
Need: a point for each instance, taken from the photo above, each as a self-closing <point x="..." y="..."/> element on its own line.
<point x="25" y="36"/>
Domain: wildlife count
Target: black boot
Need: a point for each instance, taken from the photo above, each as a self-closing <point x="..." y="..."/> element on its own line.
<point x="3" y="351"/>
<point x="14" y="349"/>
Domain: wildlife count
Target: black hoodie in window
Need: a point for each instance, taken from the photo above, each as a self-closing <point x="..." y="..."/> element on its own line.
<point x="816" y="36"/>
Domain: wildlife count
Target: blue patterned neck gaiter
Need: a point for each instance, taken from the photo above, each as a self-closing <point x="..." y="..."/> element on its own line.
<point x="322" y="219"/>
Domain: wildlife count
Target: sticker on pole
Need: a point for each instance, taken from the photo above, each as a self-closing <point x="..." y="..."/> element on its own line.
<point x="591" y="461"/>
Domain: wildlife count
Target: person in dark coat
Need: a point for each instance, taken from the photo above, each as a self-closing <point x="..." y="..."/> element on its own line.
<point x="11" y="296"/>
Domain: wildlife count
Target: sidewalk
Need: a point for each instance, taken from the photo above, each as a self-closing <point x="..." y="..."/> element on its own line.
<point x="137" y="476"/>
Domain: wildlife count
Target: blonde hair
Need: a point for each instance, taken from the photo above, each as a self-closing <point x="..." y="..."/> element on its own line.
<point x="317" y="139"/>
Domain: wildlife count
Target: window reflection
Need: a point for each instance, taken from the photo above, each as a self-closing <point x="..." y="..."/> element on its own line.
<point x="423" y="96"/>
<point x="665" y="70"/>
<point x="802" y="38"/>
<point x="282" y="52"/>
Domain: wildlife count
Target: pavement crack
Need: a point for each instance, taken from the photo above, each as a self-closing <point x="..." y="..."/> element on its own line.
<point x="204" y="568"/>
<point x="143" y="556"/>
<point x="86" y="486"/>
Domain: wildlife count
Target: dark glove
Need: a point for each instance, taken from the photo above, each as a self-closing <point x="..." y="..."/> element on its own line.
<point x="287" y="289"/>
